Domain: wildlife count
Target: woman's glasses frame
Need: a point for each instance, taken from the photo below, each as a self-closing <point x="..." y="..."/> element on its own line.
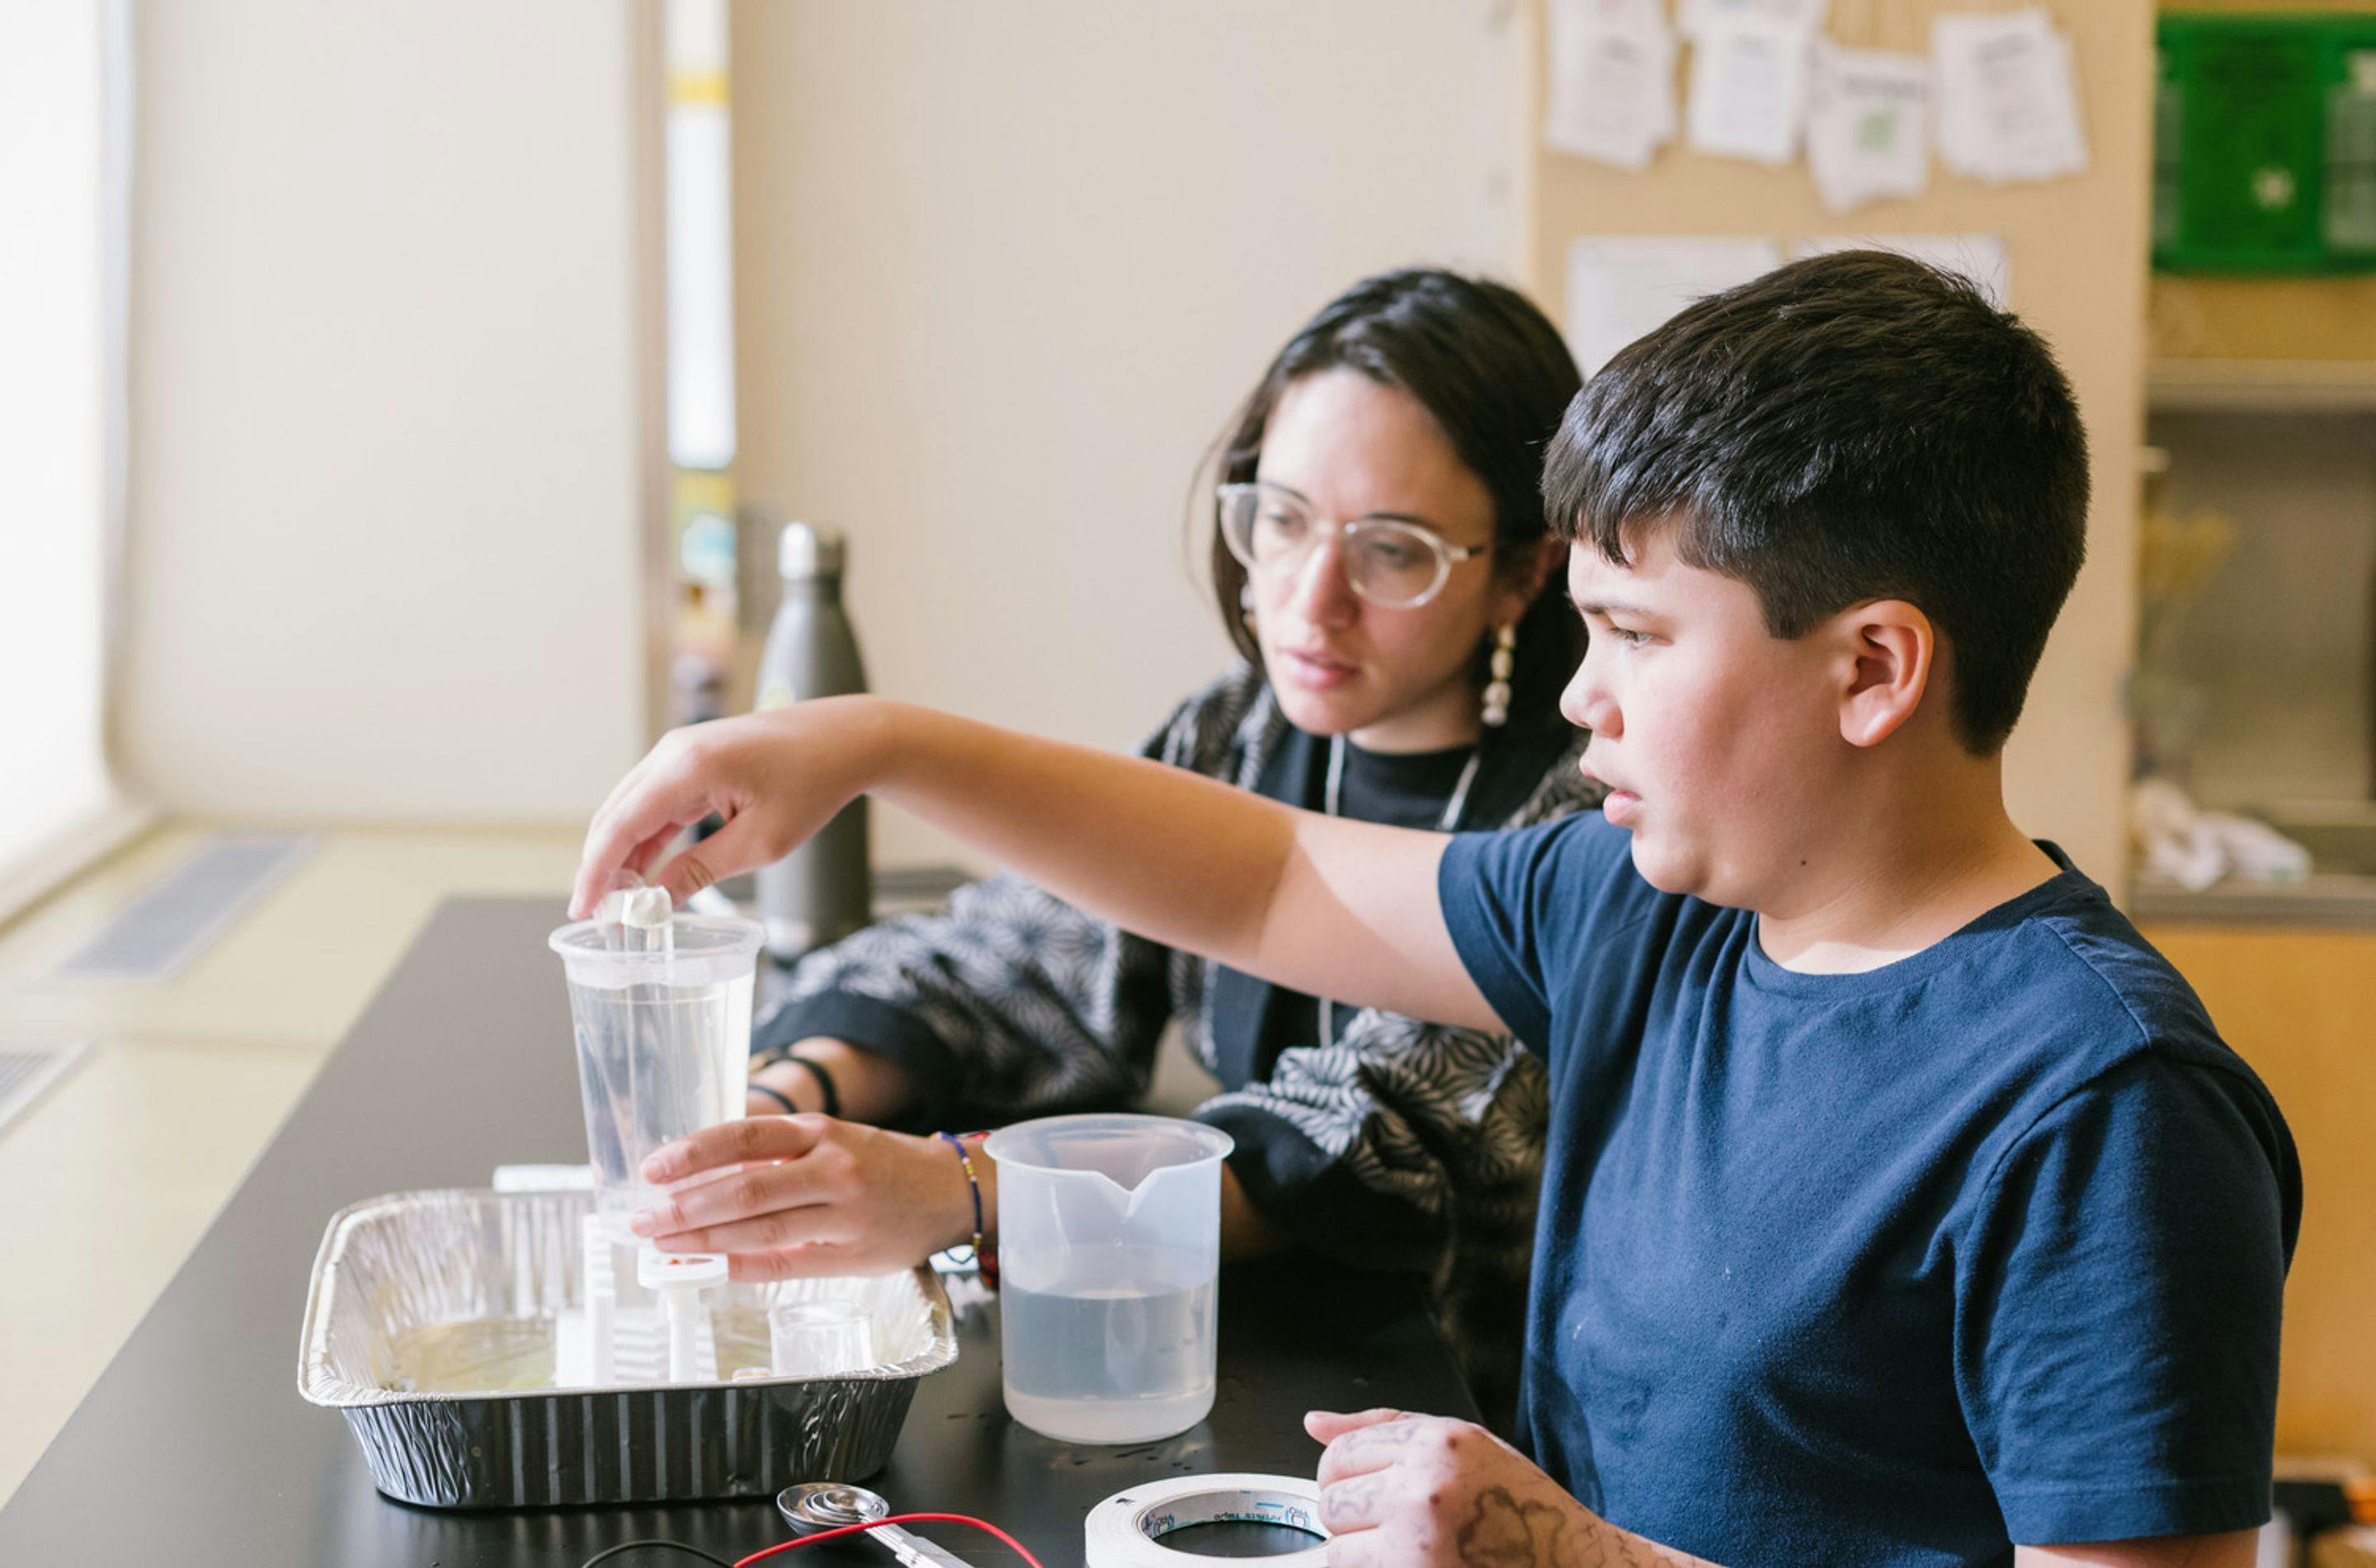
<point x="1238" y="505"/>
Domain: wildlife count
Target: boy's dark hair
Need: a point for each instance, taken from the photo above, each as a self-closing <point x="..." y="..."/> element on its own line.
<point x="1851" y="427"/>
<point x="1497" y="377"/>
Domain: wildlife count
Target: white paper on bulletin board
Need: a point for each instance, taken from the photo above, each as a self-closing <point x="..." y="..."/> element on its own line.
<point x="1619" y="287"/>
<point x="2008" y="96"/>
<point x="1980" y="257"/>
<point x="1612" y="80"/>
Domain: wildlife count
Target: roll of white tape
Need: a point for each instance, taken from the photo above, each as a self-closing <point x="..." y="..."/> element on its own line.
<point x="1122" y="1531"/>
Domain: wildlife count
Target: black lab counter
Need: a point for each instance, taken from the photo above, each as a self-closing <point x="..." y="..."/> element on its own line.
<point x="193" y="1448"/>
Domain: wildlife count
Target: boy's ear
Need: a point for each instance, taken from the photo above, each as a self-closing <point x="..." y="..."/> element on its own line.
<point x="1889" y="649"/>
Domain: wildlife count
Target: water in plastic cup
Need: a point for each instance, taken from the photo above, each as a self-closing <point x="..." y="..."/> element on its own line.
<point x="1109" y="1241"/>
<point x="662" y="1040"/>
<point x="819" y="1338"/>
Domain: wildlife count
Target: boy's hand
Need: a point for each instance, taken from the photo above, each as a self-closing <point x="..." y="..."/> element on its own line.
<point x="775" y="779"/>
<point x="1399" y="1491"/>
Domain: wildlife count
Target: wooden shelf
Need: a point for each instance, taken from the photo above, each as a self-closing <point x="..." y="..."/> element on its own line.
<point x="2262" y="385"/>
<point x="2332" y="900"/>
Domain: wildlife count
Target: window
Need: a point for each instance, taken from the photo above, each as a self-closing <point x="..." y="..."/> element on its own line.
<point x="60" y="272"/>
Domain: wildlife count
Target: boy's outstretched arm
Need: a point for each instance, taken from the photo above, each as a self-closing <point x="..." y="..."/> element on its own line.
<point x="1342" y="910"/>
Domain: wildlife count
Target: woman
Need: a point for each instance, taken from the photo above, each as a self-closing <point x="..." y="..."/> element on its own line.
<point x="1381" y="562"/>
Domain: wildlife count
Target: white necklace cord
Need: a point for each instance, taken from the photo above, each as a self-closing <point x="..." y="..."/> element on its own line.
<point x="1451" y="819"/>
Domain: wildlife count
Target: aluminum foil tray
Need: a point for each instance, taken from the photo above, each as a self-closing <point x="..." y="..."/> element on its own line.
<point x="500" y="1267"/>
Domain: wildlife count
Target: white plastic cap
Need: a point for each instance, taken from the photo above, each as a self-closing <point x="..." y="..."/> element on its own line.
<point x="802" y="553"/>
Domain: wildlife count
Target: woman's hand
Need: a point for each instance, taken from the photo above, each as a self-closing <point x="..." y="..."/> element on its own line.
<point x="1427" y="1492"/>
<point x="794" y="1195"/>
<point x="775" y="778"/>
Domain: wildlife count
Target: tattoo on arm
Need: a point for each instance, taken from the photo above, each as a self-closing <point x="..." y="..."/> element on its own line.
<point x="1506" y="1533"/>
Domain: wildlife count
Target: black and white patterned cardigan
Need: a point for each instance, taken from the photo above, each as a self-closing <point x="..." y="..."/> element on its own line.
<point x="1404" y="1146"/>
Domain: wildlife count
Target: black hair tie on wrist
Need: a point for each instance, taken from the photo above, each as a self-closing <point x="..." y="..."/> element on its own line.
<point x="831" y="1095"/>
<point x="778" y="1096"/>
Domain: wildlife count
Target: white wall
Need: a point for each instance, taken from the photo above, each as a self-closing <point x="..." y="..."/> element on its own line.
<point x="385" y="436"/>
<point x="1002" y="271"/>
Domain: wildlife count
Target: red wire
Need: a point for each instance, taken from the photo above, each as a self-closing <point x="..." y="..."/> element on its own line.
<point x="1019" y="1548"/>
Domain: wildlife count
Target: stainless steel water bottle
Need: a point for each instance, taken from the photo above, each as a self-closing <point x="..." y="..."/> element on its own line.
<point x="822" y="891"/>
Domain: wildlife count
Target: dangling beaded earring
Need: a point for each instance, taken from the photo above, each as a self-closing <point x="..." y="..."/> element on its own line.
<point x="1497" y="691"/>
<point x="1246" y="602"/>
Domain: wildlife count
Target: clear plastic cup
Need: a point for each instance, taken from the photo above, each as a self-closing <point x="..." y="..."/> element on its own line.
<point x="1108" y="1247"/>
<point x="819" y="1338"/>
<point x="663" y="1035"/>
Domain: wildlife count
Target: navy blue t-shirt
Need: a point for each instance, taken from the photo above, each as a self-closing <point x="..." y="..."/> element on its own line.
<point x="1983" y="1246"/>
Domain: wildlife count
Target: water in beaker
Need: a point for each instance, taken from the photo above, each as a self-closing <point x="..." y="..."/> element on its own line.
<point x="1109" y="1253"/>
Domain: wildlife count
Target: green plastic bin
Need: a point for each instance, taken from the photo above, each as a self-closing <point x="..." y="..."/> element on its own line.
<point x="2264" y="144"/>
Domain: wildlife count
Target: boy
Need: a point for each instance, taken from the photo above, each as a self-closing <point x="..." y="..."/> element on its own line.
<point x="1901" y="1204"/>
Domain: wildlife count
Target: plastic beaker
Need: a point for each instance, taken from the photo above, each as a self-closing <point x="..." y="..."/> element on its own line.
<point x="1108" y="1244"/>
<point x="662" y="1040"/>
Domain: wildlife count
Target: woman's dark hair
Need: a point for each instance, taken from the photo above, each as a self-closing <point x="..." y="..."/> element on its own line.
<point x="1493" y="372"/>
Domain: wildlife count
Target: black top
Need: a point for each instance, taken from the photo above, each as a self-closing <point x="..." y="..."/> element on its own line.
<point x="1255" y="1023"/>
<point x="1405" y="790"/>
<point x="1409" y="789"/>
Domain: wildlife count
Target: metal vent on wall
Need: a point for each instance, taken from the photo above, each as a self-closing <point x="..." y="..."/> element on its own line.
<point x="27" y="1070"/>
<point x="158" y="933"/>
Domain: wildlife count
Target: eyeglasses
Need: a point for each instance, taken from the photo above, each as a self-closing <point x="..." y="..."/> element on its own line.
<point x="1391" y="563"/>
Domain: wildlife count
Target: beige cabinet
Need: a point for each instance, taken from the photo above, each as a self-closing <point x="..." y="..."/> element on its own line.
<point x="2300" y="1006"/>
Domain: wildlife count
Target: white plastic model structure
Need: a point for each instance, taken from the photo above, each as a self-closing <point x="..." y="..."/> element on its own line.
<point x="660" y="1333"/>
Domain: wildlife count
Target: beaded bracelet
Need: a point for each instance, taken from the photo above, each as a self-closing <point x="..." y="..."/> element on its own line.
<point x="985" y="1257"/>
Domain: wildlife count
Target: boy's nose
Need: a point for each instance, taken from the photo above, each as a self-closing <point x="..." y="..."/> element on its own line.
<point x="1587" y="705"/>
